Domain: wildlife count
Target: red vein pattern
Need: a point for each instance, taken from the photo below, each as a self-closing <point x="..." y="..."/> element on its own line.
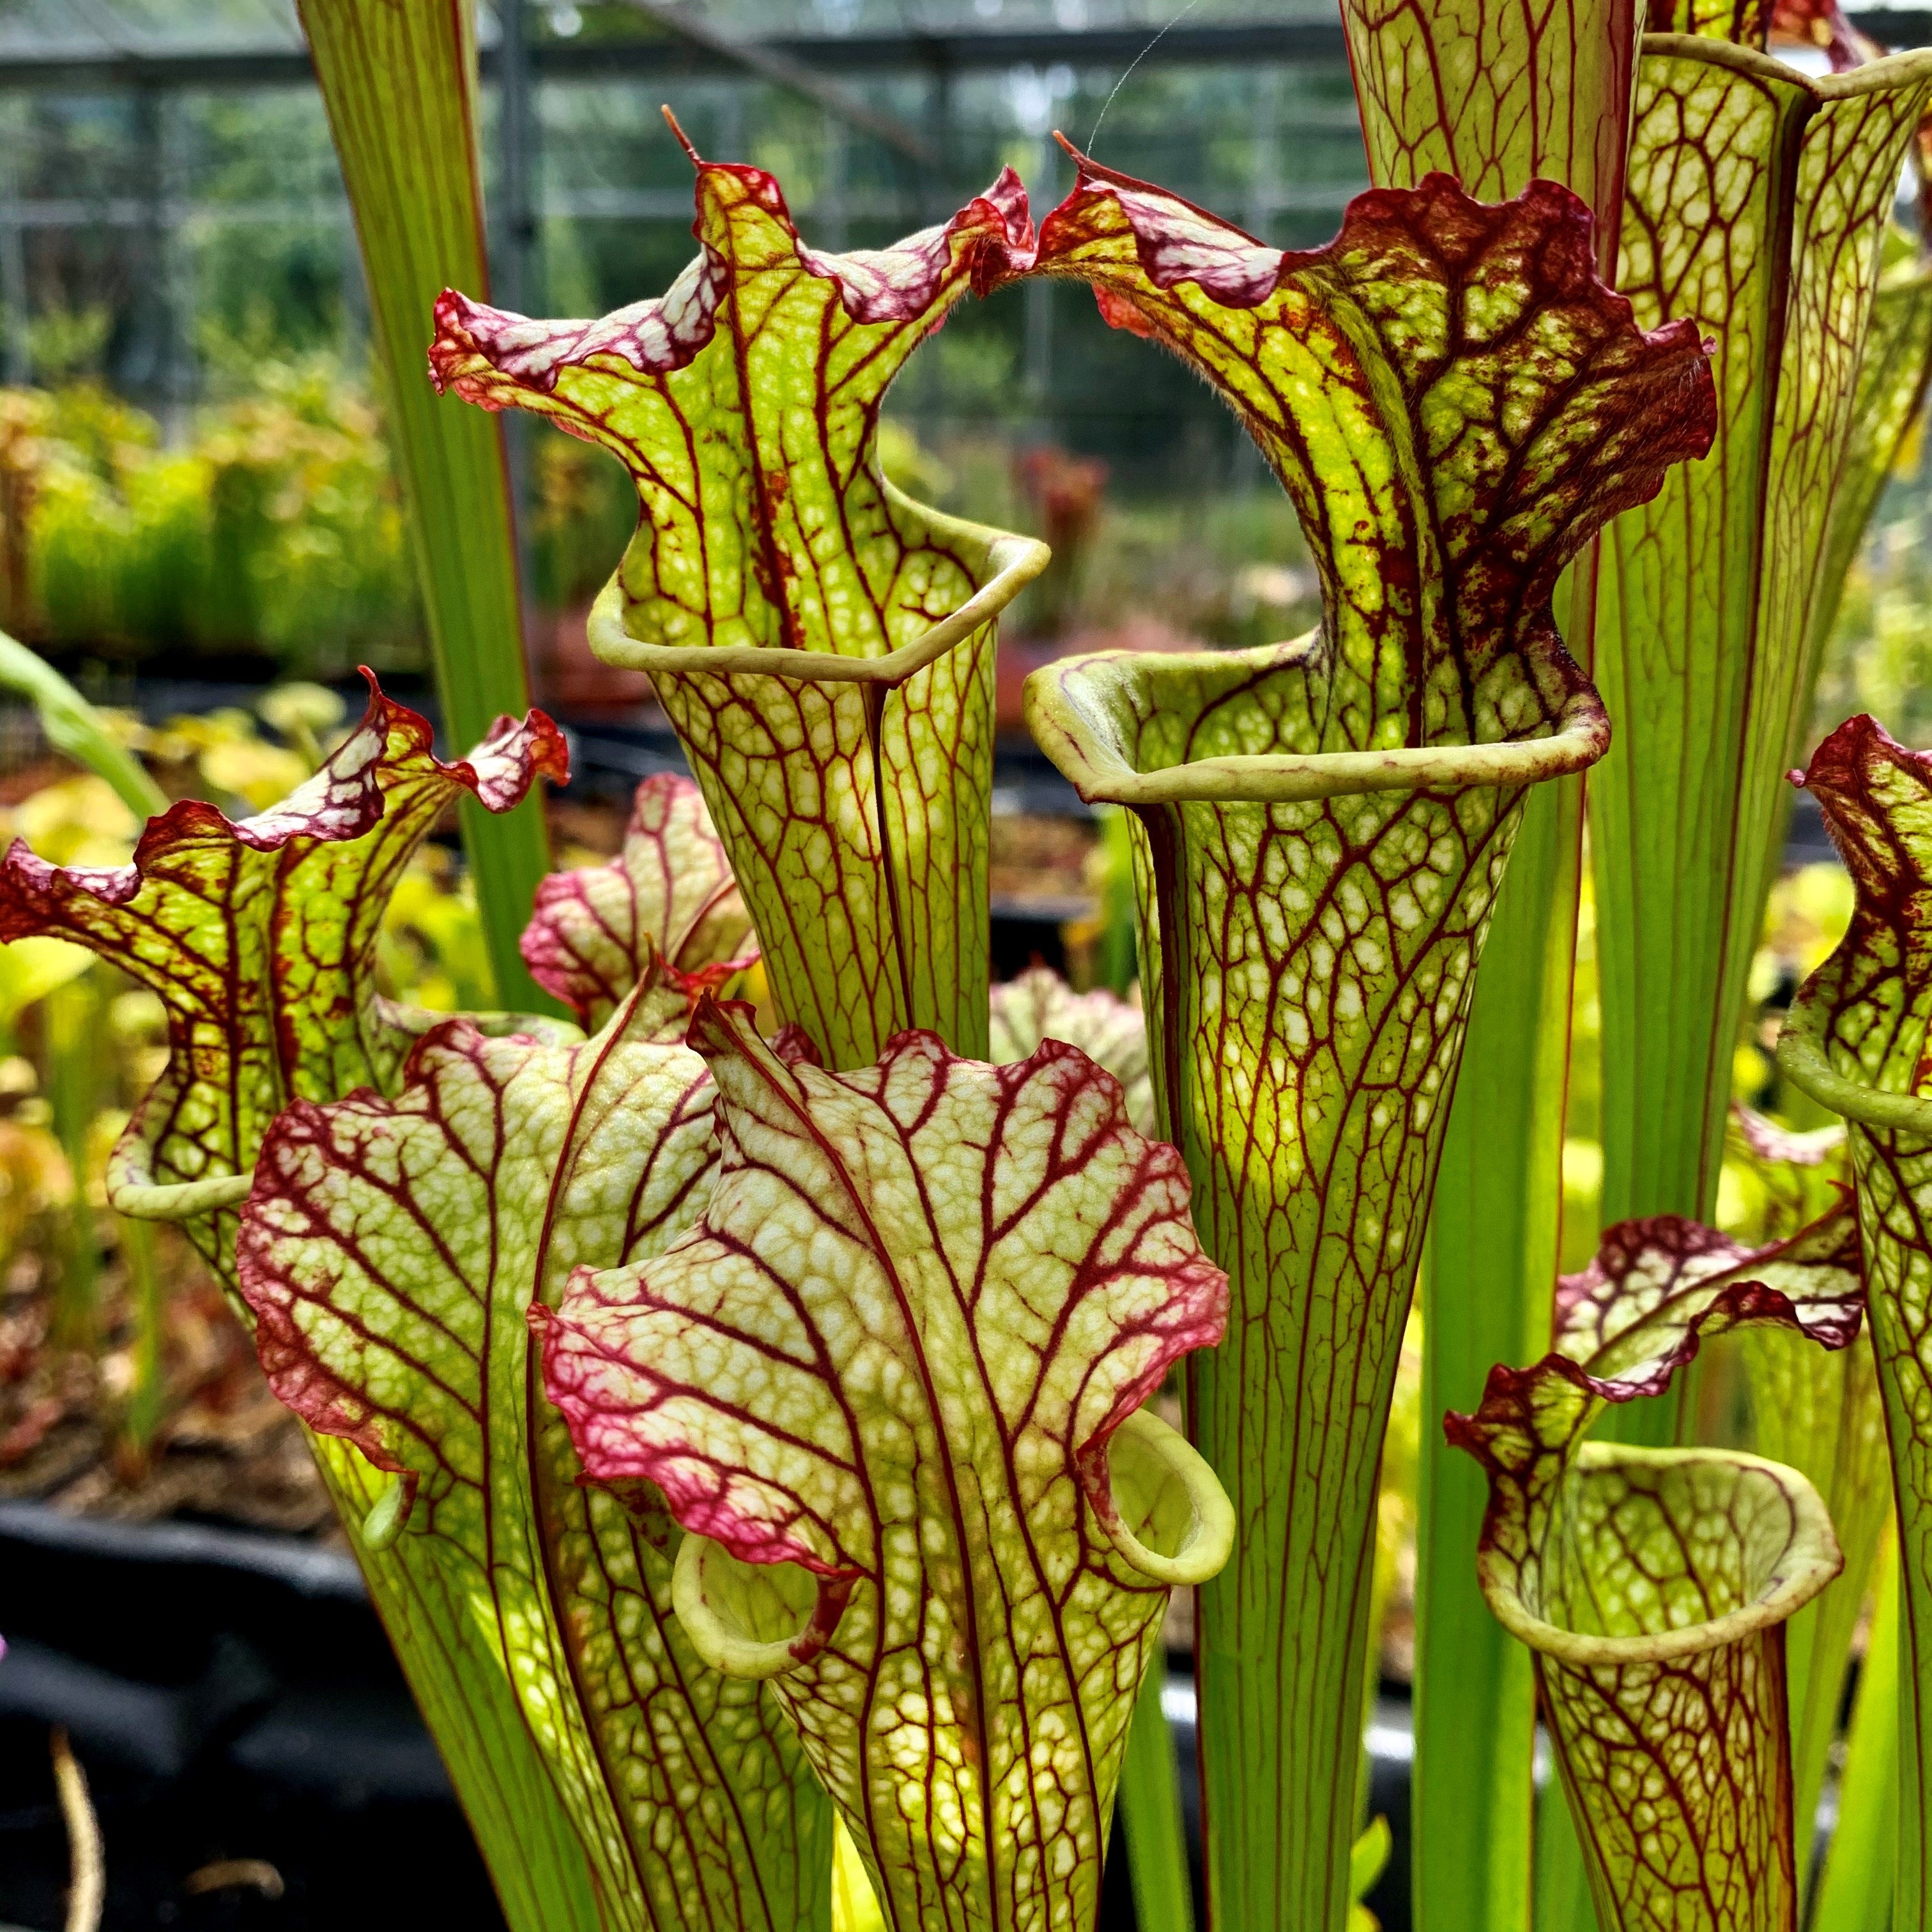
<point x="1646" y="1291"/>
<point x="1040" y="1005"/>
<point x="1654" y="1584"/>
<point x="392" y="1253"/>
<point x="1497" y="95"/>
<point x="1678" y="1770"/>
<point x="895" y="1352"/>
<point x="745" y="402"/>
<point x="1454" y="402"/>
<point x="1757" y="204"/>
<point x="669" y="891"/>
<point x="1864" y="1011"/>
<point x="258" y="937"/>
<point x="1743" y="23"/>
<point x="1819" y="1411"/>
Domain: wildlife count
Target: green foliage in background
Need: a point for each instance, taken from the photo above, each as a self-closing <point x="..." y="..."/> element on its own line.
<point x="275" y="529"/>
<point x="1880" y="655"/>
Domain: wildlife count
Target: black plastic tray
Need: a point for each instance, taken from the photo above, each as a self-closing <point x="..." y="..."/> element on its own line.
<point x="232" y="1696"/>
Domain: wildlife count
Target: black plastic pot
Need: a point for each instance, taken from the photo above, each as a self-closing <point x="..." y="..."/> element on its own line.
<point x="232" y="1697"/>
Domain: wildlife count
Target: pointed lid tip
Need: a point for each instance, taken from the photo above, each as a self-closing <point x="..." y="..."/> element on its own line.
<point x="683" y="139"/>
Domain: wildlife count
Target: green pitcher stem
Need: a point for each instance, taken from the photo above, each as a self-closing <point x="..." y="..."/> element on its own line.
<point x="1855" y="1888"/>
<point x="1148" y="1811"/>
<point x="1291" y="1409"/>
<point x="878" y="917"/>
<point x="1493" y="1245"/>
<point x="400" y="86"/>
<point x="1891" y="1138"/>
<point x="1705" y="649"/>
<point x="536" y="1858"/>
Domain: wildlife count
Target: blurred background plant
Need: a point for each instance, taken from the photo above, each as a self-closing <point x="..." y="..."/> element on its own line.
<point x="273" y="530"/>
<point x="268" y="537"/>
<point x="1880" y="655"/>
<point x="1224" y="564"/>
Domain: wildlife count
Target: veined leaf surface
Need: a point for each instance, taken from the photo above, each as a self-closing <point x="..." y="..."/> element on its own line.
<point x="1149" y="1828"/>
<point x="824" y="645"/>
<point x="1758" y="199"/>
<point x="891" y="1387"/>
<point x="258" y="939"/>
<point x="1498" y="95"/>
<point x="1454" y="402"/>
<point x="671" y="887"/>
<point x="1653" y="1585"/>
<point x="1040" y="1005"/>
<point x="392" y="1252"/>
<point x="1856" y="1040"/>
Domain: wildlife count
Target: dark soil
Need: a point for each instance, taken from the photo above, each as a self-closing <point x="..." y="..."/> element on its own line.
<point x="224" y="1451"/>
